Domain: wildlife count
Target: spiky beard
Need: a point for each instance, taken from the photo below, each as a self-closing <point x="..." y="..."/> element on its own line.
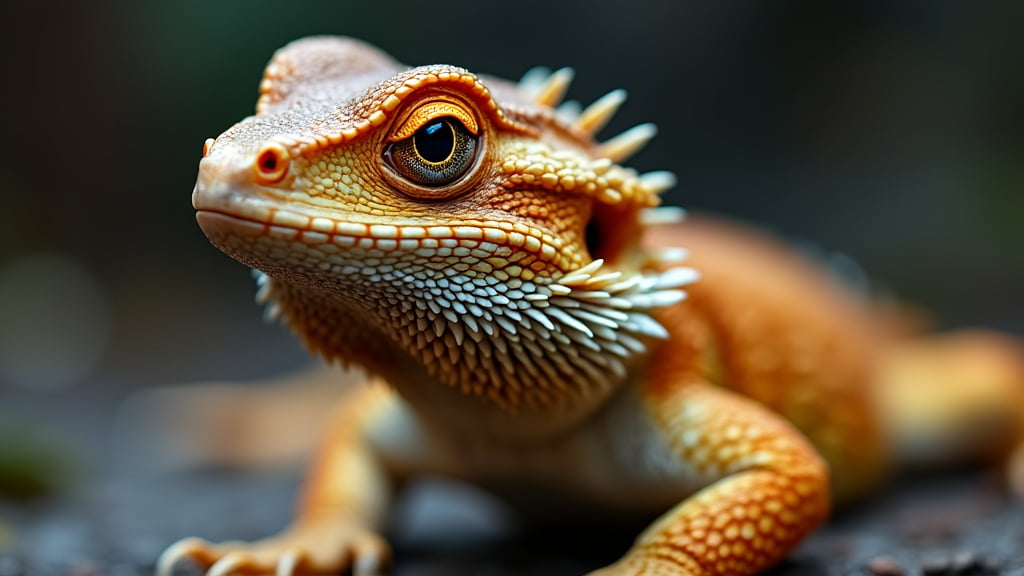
<point x="521" y="344"/>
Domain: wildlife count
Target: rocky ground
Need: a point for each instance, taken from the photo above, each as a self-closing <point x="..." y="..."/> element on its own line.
<point x="115" y="520"/>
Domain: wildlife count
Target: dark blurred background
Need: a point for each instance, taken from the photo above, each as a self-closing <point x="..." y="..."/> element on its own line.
<point x="892" y="132"/>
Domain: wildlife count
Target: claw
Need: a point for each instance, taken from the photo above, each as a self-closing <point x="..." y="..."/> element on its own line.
<point x="288" y="563"/>
<point x="366" y="565"/>
<point x="370" y="558"/>
<point x="228" y="564"/>
<point x="187" y="548"/>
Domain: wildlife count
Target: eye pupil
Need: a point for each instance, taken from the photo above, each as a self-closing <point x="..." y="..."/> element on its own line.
<point x="271" y="164"/>
<point x="435" y="142"/>
<point x="268" y="161"/>
<point x="438" y="153"/>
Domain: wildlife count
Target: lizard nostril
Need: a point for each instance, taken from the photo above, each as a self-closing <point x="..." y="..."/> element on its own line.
<point x="271" y="163"/>
<point x="207" y="146"/>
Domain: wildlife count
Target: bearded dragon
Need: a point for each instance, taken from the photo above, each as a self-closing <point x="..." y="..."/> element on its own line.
<point x="528" y="325"/>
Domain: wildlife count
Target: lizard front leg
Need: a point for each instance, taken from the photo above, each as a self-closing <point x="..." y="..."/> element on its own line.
<point x="769" y="488"/>
<point x="342" y="509"/>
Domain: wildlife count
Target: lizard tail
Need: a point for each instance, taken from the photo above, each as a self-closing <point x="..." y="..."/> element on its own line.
<point x="956" y="398"/>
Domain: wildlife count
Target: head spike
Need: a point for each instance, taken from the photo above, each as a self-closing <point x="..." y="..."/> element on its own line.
<point x="662" y="215"/>
<point x="601" y="111"/>
<point x="554" y="88"/>
<point x="628" y="143"/>
<point x="658" y="181"/>
<point x="533" y="79"/>
<point x="569" y="111"/>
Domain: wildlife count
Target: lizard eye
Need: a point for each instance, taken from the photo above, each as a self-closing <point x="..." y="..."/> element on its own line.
<point x="438" y="153"/>
<point x="271" y="163"/>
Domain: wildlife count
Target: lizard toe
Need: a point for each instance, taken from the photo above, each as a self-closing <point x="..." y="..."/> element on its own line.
<point x="195" y="549"/>
<point x="289" y="563"/>
<point x="371" y="557"/>
<point x="233" y="563"/>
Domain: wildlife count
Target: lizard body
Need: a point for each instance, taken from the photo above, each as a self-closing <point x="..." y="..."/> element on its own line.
<point x="488" y="262"/>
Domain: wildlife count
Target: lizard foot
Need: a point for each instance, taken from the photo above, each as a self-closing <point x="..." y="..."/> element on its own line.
<point x="291" y="554"/>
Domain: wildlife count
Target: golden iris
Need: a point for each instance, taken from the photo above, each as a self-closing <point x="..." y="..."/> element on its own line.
<point x="438" y="153"/>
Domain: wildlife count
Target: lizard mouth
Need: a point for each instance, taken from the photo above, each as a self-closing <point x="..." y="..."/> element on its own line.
<point x="224" y="212"/>
<point x="289" y="226"/>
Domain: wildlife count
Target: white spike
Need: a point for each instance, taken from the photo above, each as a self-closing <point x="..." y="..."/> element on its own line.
<point x="456" y="330"/>
<point x="564" y="302"/>
<point x="605" y="333"/>
<point x="488" y="328"/>
<point x="644" y="324"/>
<point x="616" y="348"/>
<point x="570" y="322"/>
<point x="263" y="294"/>
<point x="600" y="295"/>
<point x="604" y="279"/>
<point x="533" y="79"/>
<point x="559" y="290"/>
<point x="617" y="315"/>
<point x="670" y="255"/>
<point x="568" y="111"/>
<point x="450" y="315"/>
<point x="631" y="343"/>
<point x="573" y="278"/>
<point x="554" y="88"/>
<point x="617" y="303"/>
<point x="625" y="285"/>
<point x="676" y="277"/>
<point x="665" y="298"/>
<point x="562" y="339"/>
<point x="508" y="327"/>
<point x="661" y="215"/>
<point x="628" y="143"/>
<point x="594" y="318"/>
<point x="597" y="115"/>
<point x="478" y="337"/>
<point x="540" y="317"/>
<point x="658" y="181"/>
<point x="590" y="269"/>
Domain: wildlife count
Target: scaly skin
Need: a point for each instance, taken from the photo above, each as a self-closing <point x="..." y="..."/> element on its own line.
<point x="530" y="327"/>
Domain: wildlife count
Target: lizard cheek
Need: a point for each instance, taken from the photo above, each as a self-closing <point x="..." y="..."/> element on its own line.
<point x="271" y="163"/>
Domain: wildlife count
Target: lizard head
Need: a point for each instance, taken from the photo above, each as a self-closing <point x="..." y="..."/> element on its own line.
<point x="455" y="221"/>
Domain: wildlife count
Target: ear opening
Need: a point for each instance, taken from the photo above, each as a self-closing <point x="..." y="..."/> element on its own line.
<point x="612" y="231"/>
<point x="594" y="237"/>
